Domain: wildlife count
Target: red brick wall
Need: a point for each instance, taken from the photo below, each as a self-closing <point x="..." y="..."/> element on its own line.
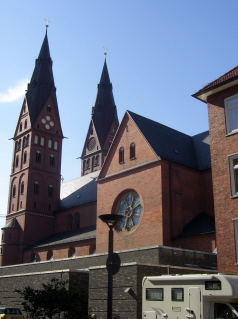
<point x="225" y="206"/>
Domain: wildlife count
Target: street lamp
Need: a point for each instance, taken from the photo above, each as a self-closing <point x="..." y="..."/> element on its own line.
<point x="111" y="220"/>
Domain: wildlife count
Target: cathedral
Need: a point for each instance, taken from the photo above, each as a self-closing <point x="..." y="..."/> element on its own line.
<point x="175" y="194"/>
<point x="159" y="179"/>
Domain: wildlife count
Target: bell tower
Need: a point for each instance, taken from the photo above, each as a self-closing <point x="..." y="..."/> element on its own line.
<point x="34" y="190"/>
<point x="102" y="127"/>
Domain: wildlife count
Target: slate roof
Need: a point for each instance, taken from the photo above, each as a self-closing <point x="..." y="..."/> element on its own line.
<point x="201" y="225"/>
<point x="42" y="85"/>
<point x="104" y="110"/>
<point x="66" y="238"/>
<point x="12" y="224"/>
<point x="79" y="191"/>
<point x="174" y="146"/>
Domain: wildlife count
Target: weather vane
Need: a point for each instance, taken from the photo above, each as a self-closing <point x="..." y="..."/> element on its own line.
<point x="105" y="50"/>
<point x="47" y="22"/>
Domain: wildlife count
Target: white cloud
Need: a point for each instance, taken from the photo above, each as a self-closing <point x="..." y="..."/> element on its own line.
<point x="14" y="93"/>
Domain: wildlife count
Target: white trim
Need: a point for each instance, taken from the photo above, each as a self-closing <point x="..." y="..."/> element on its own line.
<point x="227" y="110"/>
<point x="233" y="167"/>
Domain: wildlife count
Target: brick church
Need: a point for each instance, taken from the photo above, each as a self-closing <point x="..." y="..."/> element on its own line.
<point x="158" y="179"/>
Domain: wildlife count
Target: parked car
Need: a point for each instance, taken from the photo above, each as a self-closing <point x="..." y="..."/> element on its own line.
<point x="11" y="313"/>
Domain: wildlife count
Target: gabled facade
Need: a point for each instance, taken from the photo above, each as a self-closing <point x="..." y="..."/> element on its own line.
<point x="221" y="97"/>
<point x="160" y="180"/>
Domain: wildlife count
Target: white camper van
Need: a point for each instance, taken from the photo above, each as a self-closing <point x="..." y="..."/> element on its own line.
<point x="190" y="296"/>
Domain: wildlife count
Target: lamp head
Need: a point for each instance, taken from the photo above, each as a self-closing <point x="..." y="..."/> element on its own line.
<point x="110" y="219"/>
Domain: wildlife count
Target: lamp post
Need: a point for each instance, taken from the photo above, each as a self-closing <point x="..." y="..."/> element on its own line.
<point x="111" y="220"/>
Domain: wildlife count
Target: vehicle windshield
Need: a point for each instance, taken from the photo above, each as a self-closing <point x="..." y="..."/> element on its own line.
<point x="10" y="311"/>
<point x="223" y="311"/>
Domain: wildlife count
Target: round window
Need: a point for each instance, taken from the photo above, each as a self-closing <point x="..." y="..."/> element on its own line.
<point x="130" y="207"/>
<point x="91" y="143"/>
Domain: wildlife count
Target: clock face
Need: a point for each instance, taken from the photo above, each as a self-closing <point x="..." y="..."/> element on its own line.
<point x="130" y="207"/>
<point x="48" y="122"/>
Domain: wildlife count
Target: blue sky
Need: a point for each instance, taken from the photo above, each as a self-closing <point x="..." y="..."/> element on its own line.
<point x="159" y="53"/>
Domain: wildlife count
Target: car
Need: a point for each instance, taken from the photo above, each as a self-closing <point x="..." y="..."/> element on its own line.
<point x="11" y="313"/>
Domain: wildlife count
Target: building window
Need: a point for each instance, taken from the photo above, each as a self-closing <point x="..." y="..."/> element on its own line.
<point x="121" y="155"/>
<point x="25" y="125"/>
<point x="48" y="108"/>
<point x="50" y="144"/>
<point x="56" y="145"/>
<point x="20" y="127"/>
<point x="88" y="163"/>
<point x="85" y="165"/>
<point x="77" y="221"/>
<point x="33" y="258"/>
<point x="14" y="191"/>
<point x="25" y="157"/>
<point x="26" y="141"/>
<point x="71" y="252"/>
<point x="38" y="157"/>
<point x="20" y="204"/>
<point x="22" y="188"/>
<point x="42" y="141"/>
<point x="132" y="151"/>
<point x="12" y="207"/>
<point x="36" y="139"/>
<point x="231" y="111"/>
<point x="18" y="146"/>
<point x="52" y="160"/>
<point x="17" y="161"/>
<point x="50" y="191"/>
<point x="36" y="188"/>
<point x="50" y="255"/>
<point x="234" y="174"/>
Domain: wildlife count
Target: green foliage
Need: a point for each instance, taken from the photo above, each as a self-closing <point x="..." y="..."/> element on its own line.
<point x="53" y="299"/>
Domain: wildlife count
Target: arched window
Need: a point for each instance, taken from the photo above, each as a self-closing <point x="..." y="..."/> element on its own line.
<point x="38" y="157"/>
<point x="20" y="127"/>
<point x="25" y="157"/>
<point x="33" y="258"/>
<point x="70" y="222"/>
<point x="50" y="191"/>
<point x="25" y="125"/>
<point x="132" y="151"/>
<point x="36" y="139"/>
<point x="14" y="191"/>
<point x="24" y="142"/>
<point x="19" y="145"/>
<point x="50" y="255"/>
<point x="22" y="187"/>
<point x="20" y="204"/>
<point x="93" y="161"/>
<point x="52" y="160"/>
<point x="71" y="252"/>
<point x="50" y="143"/>
<point x="36" y="188"/>
<point x="77" y="221"/>
<point x="121" y="155"/>
<point x="17" y="161"/>
<point x="88" y="163"/>
<point x="48" y="108"/>
<point x="42" y="141"/>
<point x="85" y="165"/>
<point x="96" y="160"/>
<point x="55" y="145"/>
<point x="12" y="207"/>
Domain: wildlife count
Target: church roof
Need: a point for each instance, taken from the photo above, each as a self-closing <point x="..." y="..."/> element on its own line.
<point x="172" y="145"/>
<point x="66" y="238"/>
<point x="203" y="224"/>
<point x="42" y="85"/>
<point x="79" y="191"/>
<point x="104" y="110"/>
<point x="12" y="224"/>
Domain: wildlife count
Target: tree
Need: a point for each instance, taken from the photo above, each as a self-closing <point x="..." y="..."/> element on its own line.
<point x="54" y="298"/>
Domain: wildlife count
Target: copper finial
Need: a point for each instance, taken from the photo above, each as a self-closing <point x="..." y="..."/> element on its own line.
<point x="105" y="50"/>
<point x="47" y="22"/>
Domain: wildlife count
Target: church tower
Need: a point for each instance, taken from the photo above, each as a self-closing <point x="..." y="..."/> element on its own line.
<point x="102" y="127"/>
<point x="34" y="191"/>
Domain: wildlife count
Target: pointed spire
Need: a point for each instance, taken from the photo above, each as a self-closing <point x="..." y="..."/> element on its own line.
<point x="42" y="85"/>
<point x="104" y="111"/>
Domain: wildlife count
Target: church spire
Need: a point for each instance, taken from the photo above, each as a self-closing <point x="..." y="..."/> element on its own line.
<point x="103" y="125"/>
<point x="104" y="110"/>
<point x="42" y="85"/>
